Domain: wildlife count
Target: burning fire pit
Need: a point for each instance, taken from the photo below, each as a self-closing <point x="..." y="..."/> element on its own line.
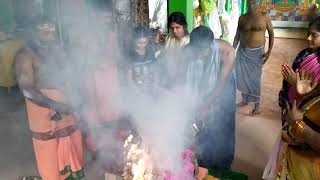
<point x="139" y="165"/>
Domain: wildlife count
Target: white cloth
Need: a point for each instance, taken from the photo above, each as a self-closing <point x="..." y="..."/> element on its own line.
<point x="202" y="80"/>
<point x="195" y="4"/>
<point x="158" y="14"/>
<point x="221" y="6"/>
<point x="122" y="6"/>
<point x="214" y="23"/>
<point x="233" y="20"/>
<point x="172" y="42"/>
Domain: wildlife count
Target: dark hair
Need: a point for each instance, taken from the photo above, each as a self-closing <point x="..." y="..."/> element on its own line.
<point x="201" y="37"/>
<point x="154" y="31"/>
<point x="179" y="18"/>
<point x="137" y="33"/>
<point x="316" y="24"/>
<point x="140" y="32"/>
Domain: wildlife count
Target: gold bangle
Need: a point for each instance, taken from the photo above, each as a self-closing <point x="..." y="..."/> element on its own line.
<point x="297" y="129"/>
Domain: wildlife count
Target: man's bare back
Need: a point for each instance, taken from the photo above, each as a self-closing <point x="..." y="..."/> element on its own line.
<point x="252" y="29"/>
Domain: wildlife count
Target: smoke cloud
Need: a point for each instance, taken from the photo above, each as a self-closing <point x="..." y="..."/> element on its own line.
<point x="165" y="125"/>
<point x="164" y="122"/>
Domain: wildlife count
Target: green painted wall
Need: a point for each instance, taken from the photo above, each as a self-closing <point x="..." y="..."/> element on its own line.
<point x="184" y="6"/>
<point x="49" y="8"/>
<point x="7" y="19"/>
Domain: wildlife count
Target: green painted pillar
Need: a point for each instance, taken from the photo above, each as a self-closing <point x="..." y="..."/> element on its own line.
<point x="228" y="5"/>
<point x="7" y="19"/>
<point x="244" y="7"/>
<point x="184" y="6"/>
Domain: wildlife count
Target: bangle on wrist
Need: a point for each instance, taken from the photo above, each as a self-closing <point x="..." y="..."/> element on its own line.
<point x="296" y="130"/>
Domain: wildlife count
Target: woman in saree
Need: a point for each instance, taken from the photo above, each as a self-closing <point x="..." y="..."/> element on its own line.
<point x="307" y="60"/>
<point x="297" y="155"/>
<point x="295" y="147"/>
<point x="170" y="57"/>
<point x="179" y="35"/>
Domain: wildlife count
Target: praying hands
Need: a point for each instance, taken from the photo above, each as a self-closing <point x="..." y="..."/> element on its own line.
<point x="305" y="82"/>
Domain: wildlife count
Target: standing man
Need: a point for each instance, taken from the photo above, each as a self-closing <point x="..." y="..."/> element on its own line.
<point x="251" y="56"/>
<point x="210" y="76"/>
<point x="40" y="73"/>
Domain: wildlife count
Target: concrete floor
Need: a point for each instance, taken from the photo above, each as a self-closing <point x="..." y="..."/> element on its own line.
<point x="255" y="135"/>
<point x="16" y="154"/>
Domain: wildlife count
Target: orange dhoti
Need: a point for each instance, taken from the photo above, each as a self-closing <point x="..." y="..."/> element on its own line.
<point x="103" y="103"/>
<point x="57" y="144"/>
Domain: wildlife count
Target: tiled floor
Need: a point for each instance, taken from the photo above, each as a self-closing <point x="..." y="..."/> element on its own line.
<point x="255" y="135"/>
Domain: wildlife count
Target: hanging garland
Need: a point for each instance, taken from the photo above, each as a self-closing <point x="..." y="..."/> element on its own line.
<point x="207" y="6"/>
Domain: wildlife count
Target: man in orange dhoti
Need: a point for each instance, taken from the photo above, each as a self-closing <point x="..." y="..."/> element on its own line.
<point x="101" y="111"/>
<point x="56" y="137"/>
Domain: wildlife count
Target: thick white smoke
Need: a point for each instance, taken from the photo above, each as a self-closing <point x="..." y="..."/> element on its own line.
<point x="165" y="124"/>
<point x="164" y="121"/>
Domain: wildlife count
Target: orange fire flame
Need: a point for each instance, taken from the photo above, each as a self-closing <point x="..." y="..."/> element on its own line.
<point x="139" y="165"/>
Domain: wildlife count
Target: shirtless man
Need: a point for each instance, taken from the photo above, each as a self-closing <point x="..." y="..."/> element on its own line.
<point x="39" y="70"/>
<point x="251" y="56"/>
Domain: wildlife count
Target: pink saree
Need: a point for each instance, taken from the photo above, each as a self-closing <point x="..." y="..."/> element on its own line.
<point x="311" y="65"/>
